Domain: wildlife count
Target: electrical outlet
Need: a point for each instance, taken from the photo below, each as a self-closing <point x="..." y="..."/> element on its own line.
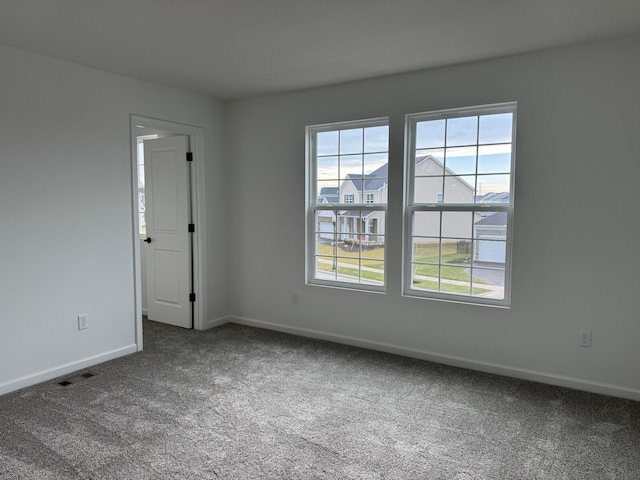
<point x="295" y="299"/>
<point x="83" y="321"/>
<point x="585" y="338"/>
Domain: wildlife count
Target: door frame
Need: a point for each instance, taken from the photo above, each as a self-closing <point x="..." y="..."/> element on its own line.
<point x="196" y="143"/>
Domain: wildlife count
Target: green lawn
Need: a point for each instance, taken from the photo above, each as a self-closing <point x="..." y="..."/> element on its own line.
<point x="427" y="253"/>
<point x="447" y="287"/>
<point x="371" y="258"/>
<point x="352" y="272"/>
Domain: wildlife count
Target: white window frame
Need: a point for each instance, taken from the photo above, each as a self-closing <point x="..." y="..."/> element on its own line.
<point x="313" y="206"/>
<point x="410" y="207"/>
<point x="370" y="197"/>
<point x="348" y="198"/>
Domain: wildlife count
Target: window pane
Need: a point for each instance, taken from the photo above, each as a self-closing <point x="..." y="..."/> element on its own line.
<point x="429" y="162"/>
<point x="347" y="225"/>
<point x="327" y="143"/>
<point x="457" y="224"/>
<point x="496" y="128"/>
<point x="327" y="168"/>
<point x="455" y="280"/>
<point x="325" y="226"/>
<point x="494" y="159"/>
<point x="141" y="176"/>
<point x="426" y="250"/>
<point x="348" y="270"/>
<point x="459" y="189"/>
<point x="426" y="224"/>
<point x="490" y="225"/>
<point x="462" y="131"/>
<point x="493" y="184"/>
<point x="376" y="139"/>
<point x="425" y="277"/>
<point x="360" y="249"/>
<point x="143" y="223"/>
<point x="351" y="141"/>
<point x="490" y="252"/>
<point x="350" y="165"/>
<point x="461" y="161"/>
<point x="376" y="164"/>
<point x="430" y="134"/>
<point x="327" y="192"/>
<point x="325" y="268"/>
<point x="427" y="189"/>
<point x="488" y="283"/>
<point x="457" y="251"/>
<point x="372" y="244"/>
<point x="140" y="159"/>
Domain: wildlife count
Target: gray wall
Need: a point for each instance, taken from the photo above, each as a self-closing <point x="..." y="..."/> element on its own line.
<point x="66" y="224"/>
<point x="575" y="259"/>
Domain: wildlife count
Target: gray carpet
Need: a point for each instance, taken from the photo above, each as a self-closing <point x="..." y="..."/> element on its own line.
<point x="242" y="403"/>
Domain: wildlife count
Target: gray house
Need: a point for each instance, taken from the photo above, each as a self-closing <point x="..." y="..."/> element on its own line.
<point x="491" y="236"/>
<point x="434" y="183"/>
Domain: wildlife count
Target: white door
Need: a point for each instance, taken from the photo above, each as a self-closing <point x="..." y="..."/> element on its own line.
<point x="168" y="214"/>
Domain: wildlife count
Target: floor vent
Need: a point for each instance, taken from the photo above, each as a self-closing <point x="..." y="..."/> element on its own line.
<point x="76" y="379"/>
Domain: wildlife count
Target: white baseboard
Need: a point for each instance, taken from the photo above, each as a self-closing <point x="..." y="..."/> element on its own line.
<point x="471" y="364"/>
<point x="216" y="322"/>
<point x="45" y="375"/>
<point x="145" y="311"/>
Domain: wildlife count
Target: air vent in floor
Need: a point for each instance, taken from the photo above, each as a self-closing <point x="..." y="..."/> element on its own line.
<point x="76" y="379"/>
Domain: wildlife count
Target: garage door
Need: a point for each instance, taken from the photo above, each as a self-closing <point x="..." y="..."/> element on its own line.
<point x="493" y="251"/>
<point x="326" y="230"/>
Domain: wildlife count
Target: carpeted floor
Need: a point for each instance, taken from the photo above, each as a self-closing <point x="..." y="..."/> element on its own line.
<point x="242" y="403"/>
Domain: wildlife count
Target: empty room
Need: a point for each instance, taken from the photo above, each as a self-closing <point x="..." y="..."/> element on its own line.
<point x="329" y="239"/>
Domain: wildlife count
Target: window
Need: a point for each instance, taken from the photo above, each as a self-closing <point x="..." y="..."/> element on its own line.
<point x="346" y="241"/>
<point x="141" y="200"/>
<point x="458" y="248"/>
<point x="369" y="197"/>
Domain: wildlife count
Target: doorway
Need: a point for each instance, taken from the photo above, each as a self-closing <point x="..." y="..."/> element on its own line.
<point x="144" y="128"/>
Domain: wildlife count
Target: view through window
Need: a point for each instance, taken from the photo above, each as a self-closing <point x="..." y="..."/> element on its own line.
<point x="459" y="203"/>
<point x="347" y="197"/>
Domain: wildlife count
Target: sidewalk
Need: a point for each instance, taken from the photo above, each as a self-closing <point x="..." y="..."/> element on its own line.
<point x="493" y="291"/>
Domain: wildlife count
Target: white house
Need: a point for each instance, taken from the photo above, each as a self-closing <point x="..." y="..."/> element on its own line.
<point x="433" y="181"/>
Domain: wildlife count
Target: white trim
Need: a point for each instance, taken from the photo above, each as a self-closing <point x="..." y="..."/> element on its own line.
<point x="452" y="360"/>
<point x="45" y="375"/>
<point x="198" y="202"/>
<point x="216" y="322"/>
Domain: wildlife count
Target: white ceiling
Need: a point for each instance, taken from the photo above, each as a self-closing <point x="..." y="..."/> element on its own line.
<point x="238" y="48"/>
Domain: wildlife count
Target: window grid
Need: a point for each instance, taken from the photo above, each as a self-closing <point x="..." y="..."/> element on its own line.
<point x="347" y="247"/>
<point x="440" y="277"/>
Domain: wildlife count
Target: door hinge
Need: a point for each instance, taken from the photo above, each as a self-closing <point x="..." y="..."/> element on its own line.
<point x="192" y="297"/>
<point x="189" y="157"/>
<point x="192" y="228"/>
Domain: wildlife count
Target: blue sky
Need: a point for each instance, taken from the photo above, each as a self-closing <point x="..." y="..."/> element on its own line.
<point x="456" y="142"/>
